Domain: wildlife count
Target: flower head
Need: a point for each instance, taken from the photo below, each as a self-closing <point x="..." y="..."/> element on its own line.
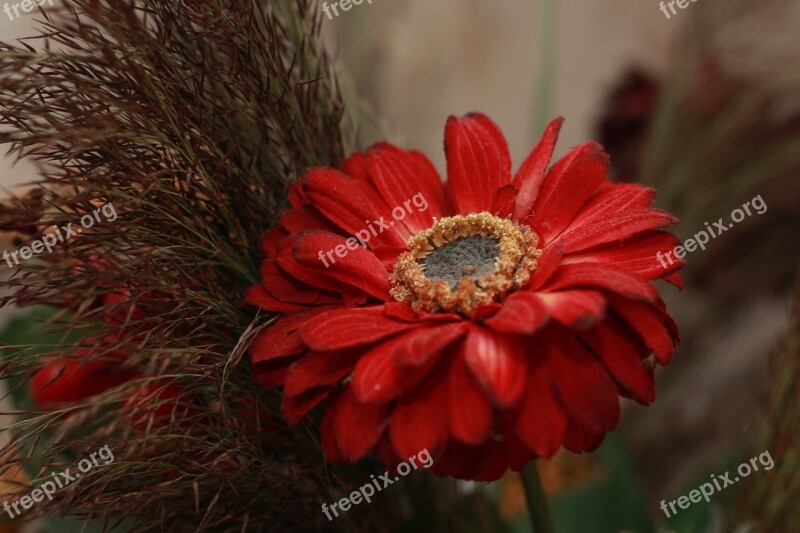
<point x="490" y="319"/>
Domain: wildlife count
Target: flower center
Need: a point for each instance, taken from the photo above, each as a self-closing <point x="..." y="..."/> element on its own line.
<point x="463" y="262"/>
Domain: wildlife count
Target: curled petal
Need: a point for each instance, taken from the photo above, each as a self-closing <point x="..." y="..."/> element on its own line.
<point x="499" y="363"/>
<point x="531" y="174"/>
<point x="576" y="308"/>
<point x="478" y="162"/>
<point x="523" y="313"/>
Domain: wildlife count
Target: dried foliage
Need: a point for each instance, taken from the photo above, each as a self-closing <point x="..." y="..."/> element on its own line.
<point x="771" y="501"/>
<point x="190" y="116"/>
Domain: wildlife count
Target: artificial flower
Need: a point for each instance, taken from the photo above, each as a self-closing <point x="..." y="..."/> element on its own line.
<point x="491" y="322"/>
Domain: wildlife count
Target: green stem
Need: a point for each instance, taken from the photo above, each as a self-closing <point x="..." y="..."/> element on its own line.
<point x="537" y="501"/>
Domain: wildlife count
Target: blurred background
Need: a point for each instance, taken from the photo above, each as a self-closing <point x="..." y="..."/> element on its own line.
<point x="705" y="107"/>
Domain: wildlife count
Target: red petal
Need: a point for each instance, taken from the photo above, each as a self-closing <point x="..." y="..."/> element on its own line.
<point x="355" y="166"/>
<point x="270" y="241"/>
<point x="256" y="295"/>
<point x="504" y="200"/>
<point x="617" y="213"/>
<point x="469" y="409"/>
<point x="295" y="194"/>
<point x="358" y="426"/>
<point x="653" y="325"/>
<point x="404" y="312"/>
<point x="419" y="420"/>
<point x="289" y="290"/>
<point x="428" y="343"/>
<point x="579" y="439"/>
<point x="342" y="200"/>
<point x="547" y="265"/>
<point x="401" y="181"/>
<point x="531" y="174"/>
<point x="400" y="311"/>
<point x="478" y="162"/>
<point x="522" y="312"/>
<point x="541" y="423"/>
<point x="281" y="337"/>
<point x="595" y="276"/>
<point x="622" y="360"/>
<point x="518" y="454"/>
<point x="303" y="218"/>
<point x="295" y="408"/>
<point x="359" y="268"/>
<point x="567" y="186"/>
<point x="484" y="311"/>
<point x="499" y="363"/>
<point x="675" y="279"/>
<point x="318" y="369"/>
<point x="643" y="255"/>
<point x="312" y="277"/>
<point x="69" y="380"/>
<point x="577" y="309"/>
<point x="344" y="328"/>
<point x="586" y="391"/>
<point x="378" y="378"/>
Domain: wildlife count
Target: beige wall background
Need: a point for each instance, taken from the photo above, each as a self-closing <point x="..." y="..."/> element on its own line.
<point x="11" y="174"/>
<point x="414" y="62"/>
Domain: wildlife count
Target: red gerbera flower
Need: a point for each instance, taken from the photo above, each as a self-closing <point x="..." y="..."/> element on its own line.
<point x="489" y="320"/>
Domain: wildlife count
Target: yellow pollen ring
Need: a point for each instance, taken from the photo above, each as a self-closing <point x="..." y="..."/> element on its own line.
<point x="516" y="260"/>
